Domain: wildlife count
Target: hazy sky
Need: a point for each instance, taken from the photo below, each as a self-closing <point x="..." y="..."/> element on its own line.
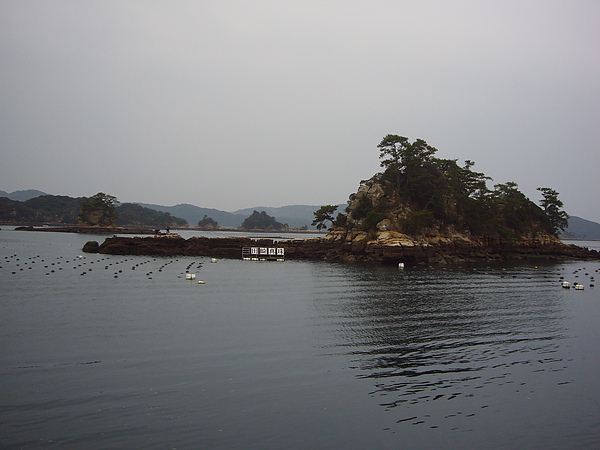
<point x="234" y="104"/>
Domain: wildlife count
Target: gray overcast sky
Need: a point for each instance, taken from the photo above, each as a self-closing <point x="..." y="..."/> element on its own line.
<point x="234" y="104"/>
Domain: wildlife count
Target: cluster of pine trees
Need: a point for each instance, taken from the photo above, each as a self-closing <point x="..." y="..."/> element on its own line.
<point x="434" y="192"/>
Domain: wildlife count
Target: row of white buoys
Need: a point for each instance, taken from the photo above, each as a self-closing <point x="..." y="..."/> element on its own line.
<point x="60" y="259"/>
<point x="576" y="285"/>
<point x="212" y="260"/>
<point x="84" y="265"/>
<point x="565" y="284"/>
<point x="192" y="276"/>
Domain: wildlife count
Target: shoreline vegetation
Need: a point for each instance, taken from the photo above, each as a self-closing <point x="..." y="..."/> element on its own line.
<point x="420" y="209"/>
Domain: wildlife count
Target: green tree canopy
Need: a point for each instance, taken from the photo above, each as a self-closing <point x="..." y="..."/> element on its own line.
<point x="324" y="214"/>
<point x="98" y="210"/>
<point x="208" y="223"/>
<point x="261" y="221"/>
<point x="422" y="192"/>
<point x="403" y="159"/>
<point x="557" y="219"/>
<point x="137" y="215"/>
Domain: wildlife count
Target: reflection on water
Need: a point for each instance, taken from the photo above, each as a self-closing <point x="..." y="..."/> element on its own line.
<point x="106" y="351"/>
<point x="456" y="349"/>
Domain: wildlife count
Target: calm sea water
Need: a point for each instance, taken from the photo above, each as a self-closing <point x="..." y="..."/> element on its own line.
<point x="123" y="352"/>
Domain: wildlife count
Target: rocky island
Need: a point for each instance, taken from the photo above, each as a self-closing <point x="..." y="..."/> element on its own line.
<point x="419" y="210"/>
<point x="388" y="247"/>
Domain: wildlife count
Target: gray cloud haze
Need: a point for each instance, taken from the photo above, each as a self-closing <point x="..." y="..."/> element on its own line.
<point x="233" y="104"/>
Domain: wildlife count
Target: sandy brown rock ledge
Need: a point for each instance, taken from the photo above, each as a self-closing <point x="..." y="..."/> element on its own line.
<point x="387" y="247"/>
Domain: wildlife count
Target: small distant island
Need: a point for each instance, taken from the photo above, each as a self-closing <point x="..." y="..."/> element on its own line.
<point x="419" y="209"/>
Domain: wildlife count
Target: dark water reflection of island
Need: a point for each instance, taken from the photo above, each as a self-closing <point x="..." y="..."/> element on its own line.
<point x="104" y="351"/>
<point x="483" y="352"/>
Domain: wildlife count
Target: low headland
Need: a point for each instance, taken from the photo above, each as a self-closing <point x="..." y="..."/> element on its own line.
<point x="388" y="247"/>
<point x="87" y="230"/>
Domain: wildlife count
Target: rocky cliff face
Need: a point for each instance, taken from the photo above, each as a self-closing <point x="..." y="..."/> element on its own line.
<point x="377" y="210"/>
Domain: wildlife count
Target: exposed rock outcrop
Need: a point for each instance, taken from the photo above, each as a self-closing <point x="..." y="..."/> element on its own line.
<point x="340" y="245"/>
<point x="91" y="247"/>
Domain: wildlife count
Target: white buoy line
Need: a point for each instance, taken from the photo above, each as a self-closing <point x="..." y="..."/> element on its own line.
<point x="89" y="265"/>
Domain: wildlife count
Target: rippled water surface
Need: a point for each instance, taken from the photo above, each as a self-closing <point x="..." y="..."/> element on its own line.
<point x="121" y="352"/>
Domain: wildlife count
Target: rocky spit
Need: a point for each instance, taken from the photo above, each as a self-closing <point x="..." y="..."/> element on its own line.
<point x="87" y="230"/>
<point x="347" y="246"/>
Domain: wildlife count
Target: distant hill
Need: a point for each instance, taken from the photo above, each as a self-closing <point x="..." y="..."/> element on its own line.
<point x="292" y="211"/>
<point x="60" y="209"/>
<point x="582" y="229"/>
<point x="132" y="214"/>
<point x="193" y="214"/>
<point x="40" y="209"/>
<point x="21" y="196"/>
<point x="295" y="216"/>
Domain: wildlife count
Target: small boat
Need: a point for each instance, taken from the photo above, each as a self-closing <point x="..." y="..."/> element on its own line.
<point x="579" y="287"/>
<point x="565" y="284"/>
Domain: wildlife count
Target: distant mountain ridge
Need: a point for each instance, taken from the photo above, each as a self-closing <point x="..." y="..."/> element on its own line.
<point x="582" y="229"/>
<point x="193" y="214"/>
<point x="57" y="209"/>
<point x="291" y="211"/>
<point x="22" y="196"/>
<point x="295" y="216"/>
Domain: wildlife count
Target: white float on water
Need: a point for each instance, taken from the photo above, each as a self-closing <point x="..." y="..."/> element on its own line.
<point x="565" y="284"/>
<point x="579" y="287"/>
<point x="201" y="282"/>
<point x="213" y="260"/>
<point x="400" y="265"/>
